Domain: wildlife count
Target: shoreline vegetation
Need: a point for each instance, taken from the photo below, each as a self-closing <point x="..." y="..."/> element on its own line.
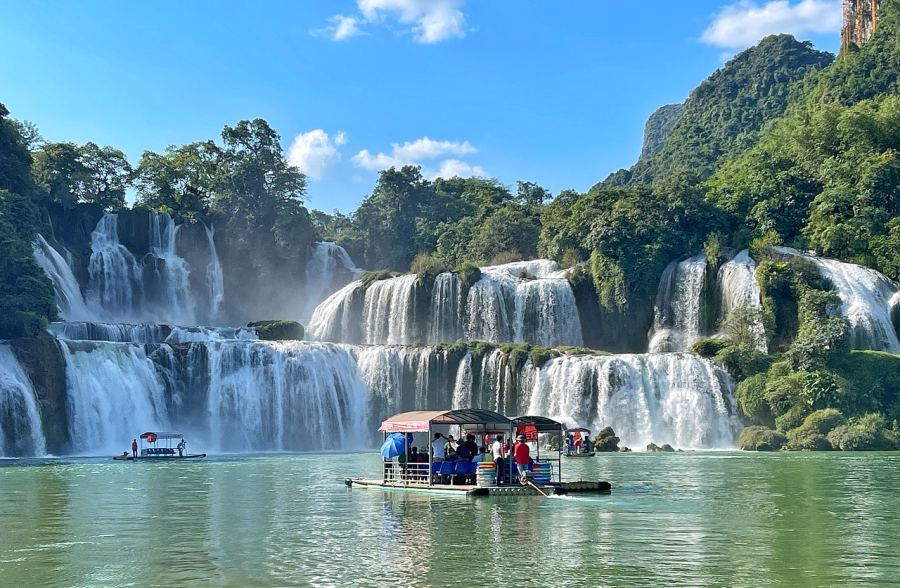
<point x="783" y="146"/>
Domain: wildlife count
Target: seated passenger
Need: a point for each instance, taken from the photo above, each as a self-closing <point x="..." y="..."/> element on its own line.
<point x="467" y="449"/>
<point x="480" y="456"/>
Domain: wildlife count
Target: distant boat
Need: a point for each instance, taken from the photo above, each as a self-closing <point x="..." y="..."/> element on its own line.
<point x="159" y="448"/>
<point x="582" y="433"/>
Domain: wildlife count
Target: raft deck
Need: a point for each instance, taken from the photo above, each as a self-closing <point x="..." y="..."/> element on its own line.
<point x="465" y="490"/>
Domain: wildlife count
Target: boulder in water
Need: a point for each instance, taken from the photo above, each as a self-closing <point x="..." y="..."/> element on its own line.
<point x="667" y="448"/>
<point x="624" y="449"/>
<point x="278" y="330"/>
<point x="653" y="447"/>
<point x="606" y="440"/>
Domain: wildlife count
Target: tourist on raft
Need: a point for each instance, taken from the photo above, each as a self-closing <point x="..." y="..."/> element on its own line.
<point x="497" y="453"/>
<point x="134" y="447"/>
<point x="437" y="448"/>
<point x="522" y="456"/>
<point x="182" y="445"/>
<point x="467" y="449"/>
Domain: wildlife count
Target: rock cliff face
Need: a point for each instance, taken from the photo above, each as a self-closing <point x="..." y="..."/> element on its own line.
<point x="45" y="367"/>
<point x="658" y="127"/>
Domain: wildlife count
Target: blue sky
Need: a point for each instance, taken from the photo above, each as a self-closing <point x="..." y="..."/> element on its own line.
<point x="552" y="92"/>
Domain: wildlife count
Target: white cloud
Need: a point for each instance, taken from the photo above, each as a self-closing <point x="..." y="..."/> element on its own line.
<point x="315" y="152"/>
<point x="344" y="27"/>
<point x="745" y="22"/>
<point x="429" y="21"/>
<point x="411" y="153"/>
<point x="452" y="168"/>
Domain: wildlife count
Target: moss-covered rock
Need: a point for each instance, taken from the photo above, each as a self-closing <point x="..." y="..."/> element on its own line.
<point x="468" y="273"/>
<point x="708" y="348"/>
<point x="757" y="438"/>
<point x="278" y="330"/>
<point x="43" y="363"/>
<point x="376" y="276"/>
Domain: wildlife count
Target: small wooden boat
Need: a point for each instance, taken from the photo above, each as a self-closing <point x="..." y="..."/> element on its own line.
<point x="159" y="448"/>
<point x="579" y="435"/>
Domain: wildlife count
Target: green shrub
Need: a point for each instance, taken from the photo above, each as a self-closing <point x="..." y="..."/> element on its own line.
<point x="505" y="257"/>
<point x="791" y="419"/>
<point x="376" y="276"/>
<point x="758" y="438"/>
<point x="751" y="397"/>
<point x="742" y="361"/>
<point x="866" y="433"/>
<point x="802" y="439"/>
<point x="427" y="267"/>
<point x="821" y="389"/>
<point x="871" y="380"/>
<point x="708" y="348"/>
<point x="571" y="257"/>
<point x="468" y="273"/>
<point x="823" y="421"/>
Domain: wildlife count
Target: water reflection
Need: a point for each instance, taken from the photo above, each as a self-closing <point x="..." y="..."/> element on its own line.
<point x="716" y="519"/>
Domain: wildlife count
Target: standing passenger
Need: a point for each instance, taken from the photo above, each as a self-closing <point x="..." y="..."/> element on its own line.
<point x="437" y="448"/>
<point x="497" y="452"/>
<point x="523" y="456"/>
<point x="134" y="447"/>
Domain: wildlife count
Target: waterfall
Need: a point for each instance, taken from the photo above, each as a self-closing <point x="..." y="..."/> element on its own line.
<point x="68" y="293"/>
<point x="329" y="268"/>
<point x="738" y="289"/>
<point x="676" y="324"/>
<point x="866" y="300"/>
<point x="176" y="302"/>
<point x="333" y="319"/>
<point x="113" y="271"/>
<point x="285" y="396"/>
<point x="199" y="334"/>
<point x="446" y="309"/>
<point x="113" y="332"/>
<point x="114" y="394"/>
<point x="670" y="398"/>
<point x="215" y="280"/>
<point x="388" y="316"/>
<point x="21" y="433"/>
<point x="525" y="302"/>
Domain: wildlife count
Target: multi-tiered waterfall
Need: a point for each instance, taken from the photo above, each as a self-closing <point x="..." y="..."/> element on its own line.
<point x="382" y="346"/>
<point x="527" y="302"/>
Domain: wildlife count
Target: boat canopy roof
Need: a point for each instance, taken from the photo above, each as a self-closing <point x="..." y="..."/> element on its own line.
<point x="161" y="435"/>
<point x="540" y="423"/>
<point x="421" y="420"/>
<point x="578" y="430"/>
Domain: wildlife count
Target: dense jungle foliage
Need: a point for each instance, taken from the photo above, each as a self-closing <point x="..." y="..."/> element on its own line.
<point x="783" y="145"/>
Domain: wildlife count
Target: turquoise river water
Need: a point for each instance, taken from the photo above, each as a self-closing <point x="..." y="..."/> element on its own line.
<point x="709" y="519"/>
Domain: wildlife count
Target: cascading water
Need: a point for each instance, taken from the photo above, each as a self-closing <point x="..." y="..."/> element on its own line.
<point x="21" y="433"/>
<point x="446" y="308"/>
<point x="676" y="323"/>
<point x="738" y="289"/>
<point x="670" y="398"/>
<point x="866" y="297"/>
<point x="68" y="293"/>
<point x="528" y="302"/>
<point x="388" y="316"/>
<point x="114" y="273"/>
<point x="215" y="280"/>
<point x="114" y="393"/>
<point x="176" y="303"/>
<point x="114" y="332"/>
<point x="329" y="268"/>
<point x="285" y="396"/>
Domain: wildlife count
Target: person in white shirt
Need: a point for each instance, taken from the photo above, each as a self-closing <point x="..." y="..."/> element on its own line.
<point x="497" y="452"/>
<point x="437" y="448"/>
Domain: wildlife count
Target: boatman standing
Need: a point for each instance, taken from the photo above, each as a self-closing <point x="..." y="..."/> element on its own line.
<point x="522" y="455"/>
<point x="134" y="447"/>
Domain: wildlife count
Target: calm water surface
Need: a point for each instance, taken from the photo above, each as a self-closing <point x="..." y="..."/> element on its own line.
<point x="674" y="519"/>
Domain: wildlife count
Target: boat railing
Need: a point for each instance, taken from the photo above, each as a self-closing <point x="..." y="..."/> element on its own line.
<point x="408" y="473"/>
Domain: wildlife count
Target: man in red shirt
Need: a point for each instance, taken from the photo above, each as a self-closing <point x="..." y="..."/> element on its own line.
<point x="134" y="447"/>
<point x="522" y="454"/>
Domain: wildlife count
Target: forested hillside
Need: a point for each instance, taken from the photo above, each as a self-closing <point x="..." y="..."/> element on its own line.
<point x="783" y="146"/>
